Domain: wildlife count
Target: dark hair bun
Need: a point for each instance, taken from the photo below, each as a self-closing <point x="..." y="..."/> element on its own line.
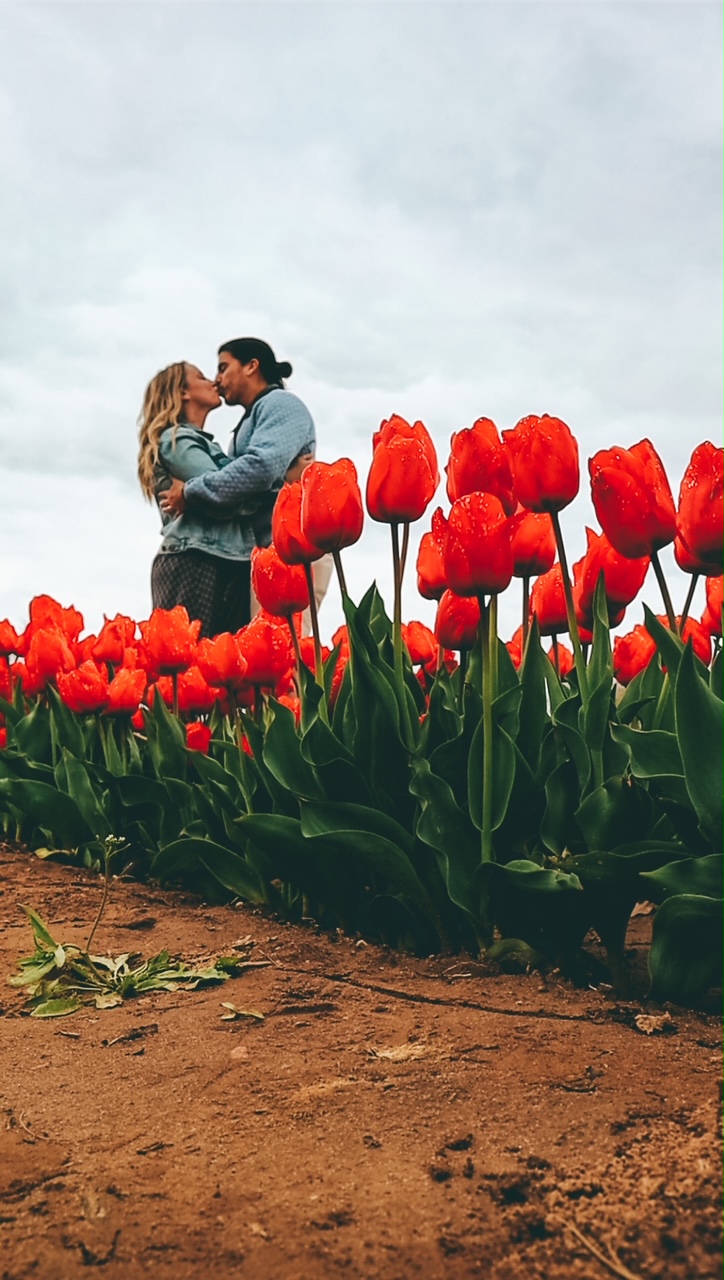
<point x="284" y="369"/>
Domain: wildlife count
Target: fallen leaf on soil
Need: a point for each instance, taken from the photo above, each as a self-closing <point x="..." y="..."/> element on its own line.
<point x="56" y="1008"/>
<point x="399" y="1052"/>
<point x="232" y="1012"/>
<point x="650" y="1023"/>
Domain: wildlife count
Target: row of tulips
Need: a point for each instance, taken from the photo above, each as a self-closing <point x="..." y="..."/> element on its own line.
<point x="426" y="787"/>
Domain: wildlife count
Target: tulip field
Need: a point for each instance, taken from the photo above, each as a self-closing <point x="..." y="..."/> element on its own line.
<point x="437" y="790"/>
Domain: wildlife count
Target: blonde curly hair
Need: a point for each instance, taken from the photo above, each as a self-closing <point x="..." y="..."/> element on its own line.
<point x="162" y="407"/>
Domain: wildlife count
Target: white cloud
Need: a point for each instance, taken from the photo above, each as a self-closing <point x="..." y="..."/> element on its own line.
<point x="442" y="210"/>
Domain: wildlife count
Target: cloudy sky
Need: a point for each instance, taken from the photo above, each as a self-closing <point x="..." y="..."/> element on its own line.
<point x="443" y="210"/>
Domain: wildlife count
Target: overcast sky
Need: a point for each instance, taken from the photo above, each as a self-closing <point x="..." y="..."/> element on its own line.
<point x="443" y="210"/>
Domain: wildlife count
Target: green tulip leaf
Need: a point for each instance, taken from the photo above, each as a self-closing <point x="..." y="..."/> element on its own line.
<point x="700" y="729"/>
<point x="46" y="809"/>
<point x="166" y="741"/>
<point x="329" y="819"/>
<point x="652" y="752"/>
<point x="66" y="727"/>
<point x="559" y="830"/>
<point x="32" y="734"/>
<point x="532" y="714"/>
<point x="89" y="801"/>
<point x="283" y="757"/>
<point x="621" y="809"/>
<point x="446" y="829"/>
<point x="700" y="876"/>
<point x="686" y="947"/>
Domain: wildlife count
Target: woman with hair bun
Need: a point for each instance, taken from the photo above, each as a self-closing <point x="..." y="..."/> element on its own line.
<point x="271" y="443"/>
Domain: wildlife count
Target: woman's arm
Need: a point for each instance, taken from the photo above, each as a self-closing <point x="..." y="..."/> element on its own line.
<point x="184" y="459"/>
<point x="283" y="429"/>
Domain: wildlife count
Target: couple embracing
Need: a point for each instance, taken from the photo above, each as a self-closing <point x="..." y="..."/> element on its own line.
<point x="217" y="507"/>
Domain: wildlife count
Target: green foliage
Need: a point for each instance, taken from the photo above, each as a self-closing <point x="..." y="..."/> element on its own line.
<point x="369" y="814"/>
<point x="59" y="979"/>
<point x="685" y="955"/>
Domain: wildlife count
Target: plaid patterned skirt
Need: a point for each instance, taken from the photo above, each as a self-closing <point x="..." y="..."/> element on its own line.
<point x="216" y="590"/>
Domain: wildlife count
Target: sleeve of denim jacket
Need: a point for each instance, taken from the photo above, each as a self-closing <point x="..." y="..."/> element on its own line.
<point x="283" y="429"/>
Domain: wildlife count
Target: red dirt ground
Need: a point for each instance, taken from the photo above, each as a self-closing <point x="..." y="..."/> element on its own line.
<point x="389" y="1118"/>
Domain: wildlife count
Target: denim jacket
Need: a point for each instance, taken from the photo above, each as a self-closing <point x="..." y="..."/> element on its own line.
<point x="276" y="428"/>
<point x="194" y="453"/>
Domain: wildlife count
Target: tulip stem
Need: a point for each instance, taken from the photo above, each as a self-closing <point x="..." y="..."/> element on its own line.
<point x="493" y="632"/>
<point x="570" y="611"/>
<point x="174" y="682"/>
<point x="556" y="655"/>
<point x="668" y="605"/>
<point x="687" y="602"/>
<point x="340" y="572"/>
<point x="487" y="614"/>
<point x="297" y="654"/>
<point x="487" y="807"/>
<point x="318" y="671"/>
<point x="397" y="610"/>
<point x="526" y="608"/>
<point x="403" y="552"/>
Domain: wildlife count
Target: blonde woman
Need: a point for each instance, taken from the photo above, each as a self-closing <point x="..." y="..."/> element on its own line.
<point x="203" y="561"/>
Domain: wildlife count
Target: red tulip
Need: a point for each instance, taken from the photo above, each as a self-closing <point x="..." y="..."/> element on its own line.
<point x="698" y="634"/>
<point x="307" y="650"/>
<point x="3" y="737"/>
<point x="48" y="654"/>
<point x="114" y="637"/>
<point x="431" y="581"/>
<point x="631" y="653"/>
<point x="479" y="463"/>
<point x="533" y="542"/>
<point x="6" y="683"/>
<point x="10" y="641"/>
<point x="565" y="663"/>
<point x="280" y="587"/>
<point x="267" y="647"/>
<point x="135" y="656"/>
<point x="332" y="514"/>
<point x="126" y="691"/>
<point x="548" y="602"/>
<point x="292" y="701"/>
<point x="689" y="563"/>
<point x="198" y="737"/>
<point x="544" y="461"/>
<point x="85" y="689"/>
<point x="515" y="647"/>
<point x="45" y="611"/>
<point x="700" y="522"/>
<point x="291" y="544"/>
<point x="31" y="681"/>
<point x="632" y="498"/>
<point x="339" y="670"/>
<point x="477" y="554"/>
<point x="404" y="475"/>
<point x="421" y="643"/>
<point x="457" y="621"/>
<point x="712" y="616"/>
<point x="221" y="661"/>
<point x="623" y="578"/>
<point x="170" y="639"/>
<point x="195" y="694"/>
<point x="83" y="650"/>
